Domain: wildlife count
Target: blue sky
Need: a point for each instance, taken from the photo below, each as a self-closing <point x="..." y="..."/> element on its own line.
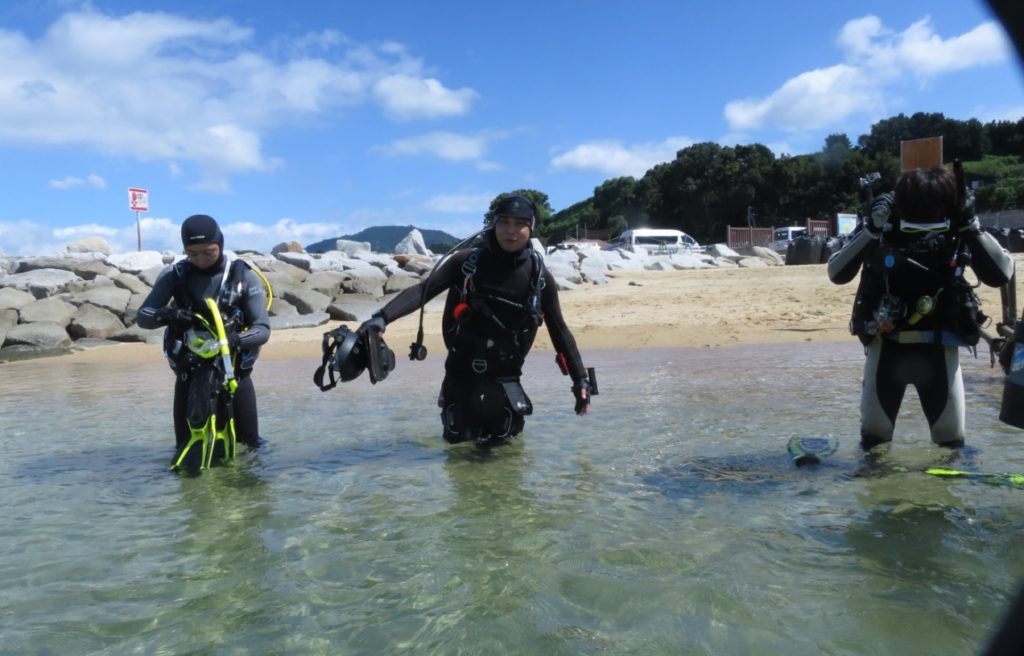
<point x="307" y="120"/>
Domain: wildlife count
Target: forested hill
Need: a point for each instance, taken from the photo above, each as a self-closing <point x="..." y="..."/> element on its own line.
<point x="383" y="239"/>
<point x="708" y="187"/>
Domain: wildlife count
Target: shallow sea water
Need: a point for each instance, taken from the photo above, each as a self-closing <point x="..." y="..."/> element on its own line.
<point x="668" y="521"/>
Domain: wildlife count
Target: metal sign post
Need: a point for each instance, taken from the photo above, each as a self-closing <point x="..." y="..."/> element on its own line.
<point x="138" y="200"/>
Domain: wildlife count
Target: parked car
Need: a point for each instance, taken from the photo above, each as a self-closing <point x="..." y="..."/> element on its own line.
<point x="782" y="237"/>
<point x="654" y="241"/>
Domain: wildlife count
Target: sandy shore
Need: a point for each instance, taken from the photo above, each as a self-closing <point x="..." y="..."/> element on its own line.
<point x="695" y="308"/>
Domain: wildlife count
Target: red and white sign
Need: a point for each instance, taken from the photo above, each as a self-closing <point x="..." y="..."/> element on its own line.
<point x="138" y="200"/>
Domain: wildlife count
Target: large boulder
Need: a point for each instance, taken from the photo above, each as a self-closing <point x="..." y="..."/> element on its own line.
<point x="412" y="244"/>
<point x="287" y="247"/>
<point x="42" y="335"/>
<point x="326" y="282"/>
<point x="149" y="276"/>
<point x="282" y="308"/>
<point x="90" y="245"/>
<point x="110" y="298"/>
<point x="135" y="333"/>
<point x="48" y="310"/>
<point x="132" y="283"/>
<point x="136" y="261"/>
<point x="85" y="267"/>
<point x="354" y="307"/>
<point x="14" y="298"/>
<point x="350" y="248"/>
<point x="307" y="301"/>
<point x="417" y="264"/>
<point x="93" y="321"/>
<point x="42" y="282"/>
<point x="398" y="281"/>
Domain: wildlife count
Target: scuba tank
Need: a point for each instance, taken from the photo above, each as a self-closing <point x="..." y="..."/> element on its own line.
<point x="1012" y="410"/>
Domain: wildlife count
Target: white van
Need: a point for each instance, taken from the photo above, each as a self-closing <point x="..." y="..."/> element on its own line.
<point x="655" y="241"/>
<point x="782" y="237"/>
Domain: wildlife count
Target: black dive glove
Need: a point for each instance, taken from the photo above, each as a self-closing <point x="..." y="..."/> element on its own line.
<point x="581" y="390"/>
<point x="235" y="342"/>
<point x="179" y="319"/>
<point x="881" y="210"/>
<point x="376" y="322"/>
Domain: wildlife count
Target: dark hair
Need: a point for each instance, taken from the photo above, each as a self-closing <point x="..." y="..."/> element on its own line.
<point x="927" y="194"/>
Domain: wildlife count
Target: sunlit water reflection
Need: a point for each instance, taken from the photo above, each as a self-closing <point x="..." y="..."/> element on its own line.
<point x="668" y="521"/>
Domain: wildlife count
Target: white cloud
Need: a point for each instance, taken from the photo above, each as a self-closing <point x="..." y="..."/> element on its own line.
<point x="405" y="97"/>
<point x="155" y="86"/>
<point x="92" y="180"/>
<point x="446" y="145"/>
<point x="876" y="61"/>
<point x="460" y="203"/>
<point x="615" y="159"/>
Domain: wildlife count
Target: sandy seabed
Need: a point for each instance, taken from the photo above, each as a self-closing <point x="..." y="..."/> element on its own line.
<point x="690" y="308"/>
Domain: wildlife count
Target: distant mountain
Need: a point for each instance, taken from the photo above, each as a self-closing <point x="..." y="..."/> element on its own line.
<point x="383" y="239"/>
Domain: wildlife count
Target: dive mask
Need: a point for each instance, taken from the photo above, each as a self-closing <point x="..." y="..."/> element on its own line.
<point x="202" y="343"/>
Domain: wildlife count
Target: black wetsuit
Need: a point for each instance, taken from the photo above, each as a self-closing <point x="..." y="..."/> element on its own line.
<point x="912" y="311"/>
<point x="505" y="303"/>
<point x="195" y="285"/>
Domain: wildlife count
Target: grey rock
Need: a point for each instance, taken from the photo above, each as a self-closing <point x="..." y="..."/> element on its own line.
<point x="399" y="281"/>
<point x="352" y="247"/>
<point x="416" y="264"/>
<point x="93" y="321"/>
<point x="134" y="333"/>
<point x="90" y="245"/>
<point x="303" y="261"/>
<point x="376" y="259"/>
<point x="752" y="263"/>
<point x="8" y="318"/>
<point x="354" y="307"/>
<point x="722" y="250"/>
<point x="326" y="282"/>
<point x="14" y="298"/>
<point x="136" y="262"/>
<point x="287" y="247"/>
<point x="110" y="298"/>
<point x="364" y="285"/>
<point x="43" y="334"/>
<point x="282" y="308"/>
<point x="131" y="311"/>
<point x="565" y="285"/>
<point x="132" y="283"/>
<point x="412" y="244"/>
<point x="48" y="310"/>
<point x="299" y="321"/>
<point x="307" y="301"/>
<point x="41" y="283"/>
<point x="85" y="266"/>
<point x="686" y="260"/>
<point x="594" y="272"/>
<point x="268" y="265"/>
<point x="767" y="254"/>
<point x="150" y="275"/>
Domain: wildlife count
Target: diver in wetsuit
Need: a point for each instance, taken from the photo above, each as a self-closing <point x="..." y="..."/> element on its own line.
<point x="913" y="307"/>
<point x="498" y="296"/>
<point x="208" y="272"/>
